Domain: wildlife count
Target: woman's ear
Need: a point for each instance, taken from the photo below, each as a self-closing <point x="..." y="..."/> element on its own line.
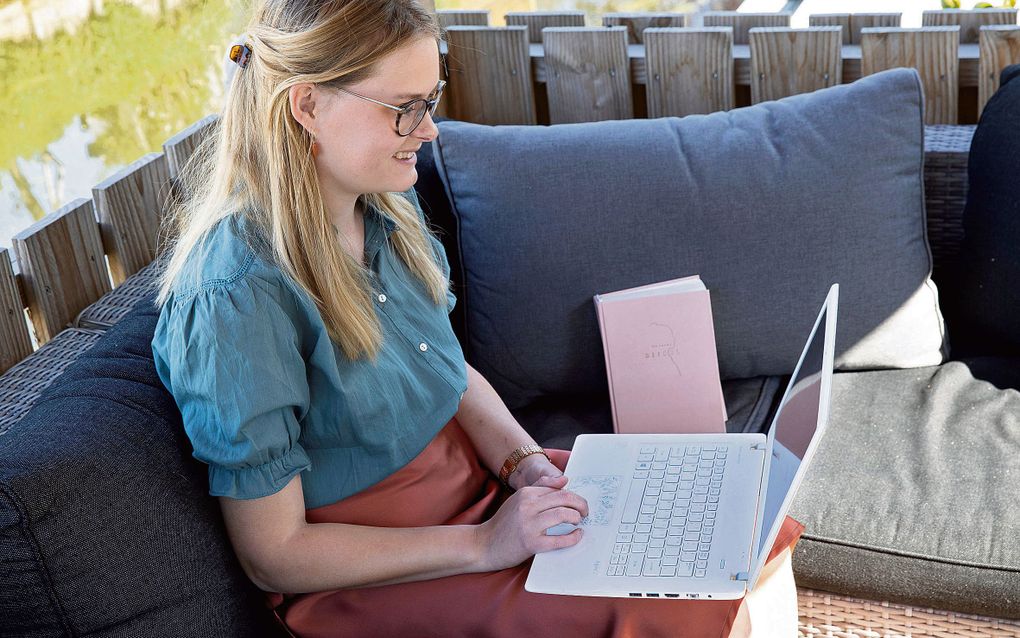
<point x="302" y="105"/>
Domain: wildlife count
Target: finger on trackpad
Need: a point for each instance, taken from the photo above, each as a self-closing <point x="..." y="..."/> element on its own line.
<point x="561" y="529"/>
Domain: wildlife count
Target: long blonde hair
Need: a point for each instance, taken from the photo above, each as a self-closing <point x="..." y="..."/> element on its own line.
<point x="257" y="162"/>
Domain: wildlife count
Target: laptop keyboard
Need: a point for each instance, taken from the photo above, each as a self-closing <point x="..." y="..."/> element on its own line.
<point x="670" y="512"/>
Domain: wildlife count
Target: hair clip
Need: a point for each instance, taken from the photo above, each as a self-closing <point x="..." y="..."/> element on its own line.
<point x="240" y="53"/>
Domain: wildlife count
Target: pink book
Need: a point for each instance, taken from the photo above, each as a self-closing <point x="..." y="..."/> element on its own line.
<point x="661" y="360"/>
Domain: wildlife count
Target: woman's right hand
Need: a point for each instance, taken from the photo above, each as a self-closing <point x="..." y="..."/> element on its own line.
<point x="517" y="531"/>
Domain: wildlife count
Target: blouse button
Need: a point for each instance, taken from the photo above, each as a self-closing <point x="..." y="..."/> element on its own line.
<point x="382" y="298"/>
<point x="423" y="346"/>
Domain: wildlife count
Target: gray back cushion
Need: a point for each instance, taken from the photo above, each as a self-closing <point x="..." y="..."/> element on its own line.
<point x="769" y="204"/>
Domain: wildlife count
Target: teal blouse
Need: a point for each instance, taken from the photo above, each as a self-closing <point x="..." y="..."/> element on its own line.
<point x="265" y="394"/>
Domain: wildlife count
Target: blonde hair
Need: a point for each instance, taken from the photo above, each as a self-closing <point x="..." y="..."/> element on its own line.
<point x="257" y="162"/>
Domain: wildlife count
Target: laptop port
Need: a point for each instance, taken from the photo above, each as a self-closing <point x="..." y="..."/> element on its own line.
<point x="672" y="595"/>
<point x="652" y="595"/>
<point x="692" y="595"/>
<point x="634" y="595"/>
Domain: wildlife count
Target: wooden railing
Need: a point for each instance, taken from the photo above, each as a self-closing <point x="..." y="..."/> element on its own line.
<point x="73" y="256"/>
<point x="548" y="68"/>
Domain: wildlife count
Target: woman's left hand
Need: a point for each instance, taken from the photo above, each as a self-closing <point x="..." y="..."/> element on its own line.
<point x="535" y="469"/>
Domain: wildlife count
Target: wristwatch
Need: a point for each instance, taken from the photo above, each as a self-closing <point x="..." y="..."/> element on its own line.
<point x="512" y="461"/>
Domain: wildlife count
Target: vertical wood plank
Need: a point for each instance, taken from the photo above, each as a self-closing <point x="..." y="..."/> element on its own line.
<point x="636" y="23"/>
<point x="742" y="23"/>
<point x="62" y="267"/>
<point x="860" y="21"/>
<point x="587" y="74"/>
<point x="15" y="340"/>
<point x="490" y="75"/>
<point x="933" y="51"/>
<point x="1000" y="47"/>
<point x="448" y="18"/>
<point x="538" y="20"/>
<point x="130" y="206"/>
<point x="790" y="61"/>
<point x="970" y="21"/>
<point x="689" y="70"/>
<point x="832" y="20"/>
<point x="179" y="148"/>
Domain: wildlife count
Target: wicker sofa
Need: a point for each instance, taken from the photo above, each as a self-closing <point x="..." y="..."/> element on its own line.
<point x="106" y="528"/>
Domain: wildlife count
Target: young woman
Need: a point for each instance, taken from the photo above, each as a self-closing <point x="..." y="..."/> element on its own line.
<point x="305" y="336"/>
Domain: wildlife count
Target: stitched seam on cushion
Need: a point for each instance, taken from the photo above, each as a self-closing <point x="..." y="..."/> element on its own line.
<point x="896" y="552"/>
<point x="44" y="570"/>
<point x="464" y="297"/>
<point x="209" y="284"/>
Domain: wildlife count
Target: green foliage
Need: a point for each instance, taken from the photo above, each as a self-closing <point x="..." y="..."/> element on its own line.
<point x="145" y="77"/>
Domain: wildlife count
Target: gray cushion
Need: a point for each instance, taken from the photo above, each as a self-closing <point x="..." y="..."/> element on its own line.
<point x="912" y="496"/>
<point x="769" y="204"/>
<point x="106" y="526"/>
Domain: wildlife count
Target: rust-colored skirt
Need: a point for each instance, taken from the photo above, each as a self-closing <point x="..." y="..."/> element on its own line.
<point x="447" y="485"/>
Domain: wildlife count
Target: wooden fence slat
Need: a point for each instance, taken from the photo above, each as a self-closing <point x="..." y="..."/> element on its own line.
<point x="62" y="267"/>
<point x="933" y="51"/>
<point x="636" y="23"/>
<point x="970" y="21"/>
<point x="471" y="18"/>
<point x="15" y="340"/>
<point x="690" y="70"/>
<point x="587" y="74"/>
<point x="1000" y="47"/>
<point x="790" y="61"/>
<point x="852" y="23"/>
<point x="130" y="206"/>
<point x="538" y="20"/>
<point x="490" y="75"/>
<point x="179" y="148"/>
<point x="742" y="23"/>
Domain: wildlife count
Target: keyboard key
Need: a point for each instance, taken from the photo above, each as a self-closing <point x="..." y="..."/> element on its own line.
<point x="643" y="466"/>
<point x="677" y="450"/>
<point x="658" y="533"/>
<point x="620" y="548"/>
<point x="645" y="458"/>
<point x="645" y="519"/>
<point x="704" y="547"/>
<point x="643" y="528"/>
<point x="634" y="562"/>
<point x="689" y="546"/>
<point x="673" y="470"/>
<point x="655" y="482"/>
<point x="656" y="543"/>
<point x="698" y="507"/>
<point x="641" y="475"/>
<point x="659" y="465"/>
<point x="687" y="557"/>
<point x="693" y="527"/>
<point x="651" y="567"/>
<point x="671" y="550"/>
<point x="656" y="474"/>
<point x="696" y="517"/>
<point x="672" y="478"/>
<point x="709" y="454"/>
<point x="661" y="523"/>
<point x="647" y="449"/>
<point x="630" y="510"/>
<point x="638" y="548"/>
<point x="654" y="552"/>
<point x="701" y="498"/>
<point x="672" y="541"/>
<point x="699" y="573"/>
<point x="640" y="538"/>
<point x="624" y="538"/>
<point x="662" y="514"/>
<point x="701" y="564"/>
<point x="687" y="485"/>
<point x="702" y="555"/>
<point x="668" y="570"/>
<point x="685" y="570"/>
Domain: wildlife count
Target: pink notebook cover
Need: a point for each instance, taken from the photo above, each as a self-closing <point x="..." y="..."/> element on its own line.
<point x="661" y="362"/>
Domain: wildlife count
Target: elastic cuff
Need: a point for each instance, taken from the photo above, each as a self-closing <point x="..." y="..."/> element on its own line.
<point x="260" y="480"/>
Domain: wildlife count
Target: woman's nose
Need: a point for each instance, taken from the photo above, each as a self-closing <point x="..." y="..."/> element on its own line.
<point x="427" y="130"/>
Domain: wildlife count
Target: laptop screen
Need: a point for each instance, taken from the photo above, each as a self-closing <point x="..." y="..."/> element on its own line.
<point x="794" y="425"/>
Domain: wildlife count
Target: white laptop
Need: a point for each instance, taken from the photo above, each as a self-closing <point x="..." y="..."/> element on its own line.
<point x="691" y="515"/>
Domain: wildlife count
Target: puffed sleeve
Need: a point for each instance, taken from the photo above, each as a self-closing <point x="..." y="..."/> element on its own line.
<point x="231" y="357"/>
<point x="437" y="247"/>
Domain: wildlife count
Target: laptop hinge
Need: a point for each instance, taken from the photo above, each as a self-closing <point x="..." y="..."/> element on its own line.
<point x="742" y="576"/>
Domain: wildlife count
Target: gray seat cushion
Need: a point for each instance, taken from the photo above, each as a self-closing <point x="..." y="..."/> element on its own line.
<point x="769" y="204"/>
<point x="556" y="421"/>
<point x="913" y="494"/>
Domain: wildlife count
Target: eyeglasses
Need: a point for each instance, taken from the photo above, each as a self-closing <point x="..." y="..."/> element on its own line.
<point x="409" y="114"/>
